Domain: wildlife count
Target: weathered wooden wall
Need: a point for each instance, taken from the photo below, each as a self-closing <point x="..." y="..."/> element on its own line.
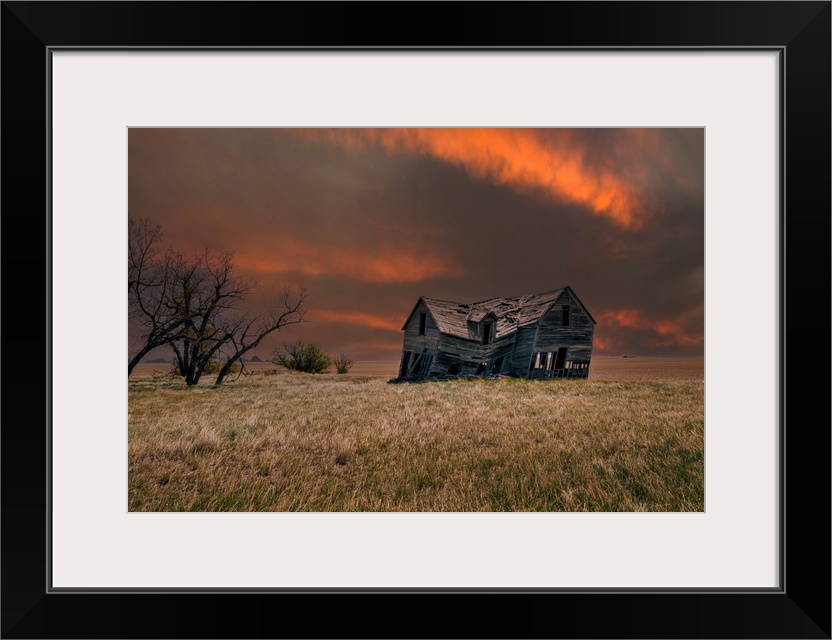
<point x="414" y="343"/>
<point x="523" y="348"/>
<point x="470" y="353"/>
<point x="551" y="335"/>
<point x="412" y="340"/>
<point x="435" y="353"/>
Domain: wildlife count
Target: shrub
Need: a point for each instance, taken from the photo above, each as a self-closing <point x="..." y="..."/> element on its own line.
<point x="343" y="363"/>
<point x="300" y="356"/>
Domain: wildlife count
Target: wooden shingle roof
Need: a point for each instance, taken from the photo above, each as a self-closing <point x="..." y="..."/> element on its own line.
<point x="460" y="320"/>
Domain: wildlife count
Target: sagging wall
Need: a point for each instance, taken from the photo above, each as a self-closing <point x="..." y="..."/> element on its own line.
<point x="472" y="355"/>
<point x="523" y="347"/>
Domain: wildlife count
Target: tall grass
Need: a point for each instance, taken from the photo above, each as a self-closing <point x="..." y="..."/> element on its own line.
<point x="296" y="442"/>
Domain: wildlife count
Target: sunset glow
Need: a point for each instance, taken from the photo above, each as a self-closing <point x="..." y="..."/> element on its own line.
<point x="667" y="332"/>
<point x="369" y="220"/>
<point x="390" y="323"/>
<point x="517" y="158"/>
<point x="382" y="265"/>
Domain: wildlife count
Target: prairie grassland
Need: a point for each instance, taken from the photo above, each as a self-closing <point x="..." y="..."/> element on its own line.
<point x="299" y="442"/>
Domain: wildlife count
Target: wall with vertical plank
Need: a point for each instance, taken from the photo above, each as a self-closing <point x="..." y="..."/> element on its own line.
<point x="551" y="335"/>
<point x="412" y="340"/>
<point x="523" y="348"/>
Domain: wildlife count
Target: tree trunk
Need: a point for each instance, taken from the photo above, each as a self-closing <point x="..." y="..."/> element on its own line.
<point x="137" y="358"/>
<point x="226" y="368"/>
<point x="223" y="372"/>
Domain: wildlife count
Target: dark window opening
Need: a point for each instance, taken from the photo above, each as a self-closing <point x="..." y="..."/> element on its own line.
<point x="423" y="317"/>
<point x="454" y="368"/>
<point x="405" y="362"/>
<point x="565" y="315"/>
<point x="538" y="361"/>
<point x="543" y="360"/>
<point x="550" y="364"/>
<point x="498" y="366"/>
<point x="487" y="332"/>
<point x="481" y="368"/>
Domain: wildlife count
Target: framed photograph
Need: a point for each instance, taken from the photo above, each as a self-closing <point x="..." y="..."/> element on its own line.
<point x="702" y="132"/>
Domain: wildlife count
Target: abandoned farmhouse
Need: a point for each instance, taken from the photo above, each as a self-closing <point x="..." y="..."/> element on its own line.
<point x="545" y="335"/>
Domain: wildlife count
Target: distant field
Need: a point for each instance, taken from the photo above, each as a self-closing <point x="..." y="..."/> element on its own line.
<point x="631" y="438"/>
<point x="603" y="368"/>
<point x="647" y="368"/>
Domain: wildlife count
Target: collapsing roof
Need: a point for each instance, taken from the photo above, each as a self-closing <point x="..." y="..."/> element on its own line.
<point x="454" y="318"/>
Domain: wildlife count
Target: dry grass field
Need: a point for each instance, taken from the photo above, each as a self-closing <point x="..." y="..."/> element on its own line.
<point x="631" y="438"/>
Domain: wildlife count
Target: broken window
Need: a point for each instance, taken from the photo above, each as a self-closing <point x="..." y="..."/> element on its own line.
<point x="423" y="317"/>
<point x="498" y="366"/>
<point x="487" y="332"/>
<point x="566" y="315"/>
<point x="481" y="368"/>
<point x="405" y="363"/>
<point x="543" y="360"/>
<point x="560" y="360"/>
<point x="414" y="367"/>
<point x="454" y="368"/>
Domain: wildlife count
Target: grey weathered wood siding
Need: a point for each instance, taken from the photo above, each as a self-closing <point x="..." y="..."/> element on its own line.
<point x="522" y="355"/>
<point x="412" y="340"/>
<point x="527" y="326"/>
<point x="471" y="353"/>
<point x="551" y="335"/>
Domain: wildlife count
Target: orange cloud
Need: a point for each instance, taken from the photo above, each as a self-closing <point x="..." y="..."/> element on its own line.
<point x="390" y="346"/>
<point x="376" y="321"/>
<point x="383" y="265"/>
<point x="672" y="332"/>
<point x="629" y="318"/>
<point x="517" y="158"/>
<point x="601" y="344"/>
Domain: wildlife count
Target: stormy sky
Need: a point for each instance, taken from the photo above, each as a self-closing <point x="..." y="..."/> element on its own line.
<point x="370" y="219"/>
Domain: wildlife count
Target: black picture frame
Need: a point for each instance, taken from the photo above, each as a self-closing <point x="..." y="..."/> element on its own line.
<point x="800" y="608"/>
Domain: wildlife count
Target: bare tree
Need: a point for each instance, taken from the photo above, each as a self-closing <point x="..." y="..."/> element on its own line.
<point x="198" y="305"/>
<point x="343" y="363"/>
<point x="149" y="270"/>
<point x="250" y="331"/>
<point x="206" y="290"/>
<point x="209" y="296"/>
